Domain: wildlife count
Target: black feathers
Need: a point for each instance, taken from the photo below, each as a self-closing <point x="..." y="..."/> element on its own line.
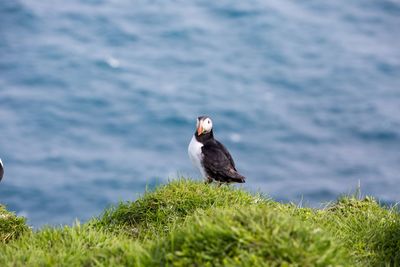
<point x="218" y="163"/>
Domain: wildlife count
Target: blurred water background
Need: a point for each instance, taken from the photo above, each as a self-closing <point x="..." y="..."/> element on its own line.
<point x="98" y="99"/>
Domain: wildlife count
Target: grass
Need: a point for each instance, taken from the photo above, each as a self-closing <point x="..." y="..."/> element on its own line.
<point x="187" y="223"/>
<point x="251" y="236"/>
<point x="156" y="212"/>
<point x="11" y="226"/>
<point x="371" y="233"/>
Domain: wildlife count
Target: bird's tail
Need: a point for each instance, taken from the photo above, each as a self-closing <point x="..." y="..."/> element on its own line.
<point x="237" y="178"/>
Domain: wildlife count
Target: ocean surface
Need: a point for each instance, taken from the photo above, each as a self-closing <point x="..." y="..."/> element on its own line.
<point x="99" y="99"/>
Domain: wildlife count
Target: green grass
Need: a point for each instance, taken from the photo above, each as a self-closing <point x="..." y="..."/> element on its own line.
<point x="187" y="223"/>
<point x="371" y="233"/>
<point x="248" y="236"/>
<point x="11" y="226"/>
<point x="156" y="212"/>
<point x="79" y="245"/>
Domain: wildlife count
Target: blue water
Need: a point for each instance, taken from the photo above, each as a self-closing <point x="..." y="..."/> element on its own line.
<point x="98" y="99"/>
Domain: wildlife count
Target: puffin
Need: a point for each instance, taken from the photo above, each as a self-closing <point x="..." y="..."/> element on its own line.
<point x="210" y="156"/>
<point x="1" y="170"/>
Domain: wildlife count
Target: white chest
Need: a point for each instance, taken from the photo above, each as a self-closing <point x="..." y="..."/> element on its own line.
<point x="195" y="155"/>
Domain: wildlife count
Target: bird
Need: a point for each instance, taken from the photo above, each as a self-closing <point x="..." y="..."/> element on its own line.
<point x="210" y="156"/>
<point x="1" y="170"/>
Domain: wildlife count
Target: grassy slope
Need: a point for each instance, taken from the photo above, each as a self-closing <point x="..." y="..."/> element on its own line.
<point x="186" y="223"/>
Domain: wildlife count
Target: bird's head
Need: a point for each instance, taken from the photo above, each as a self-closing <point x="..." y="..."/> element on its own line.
<point x="204" y="125"/>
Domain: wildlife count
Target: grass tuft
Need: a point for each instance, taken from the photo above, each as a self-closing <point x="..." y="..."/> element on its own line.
<point x="71" y="246"/>
<point x="156" y="212"/>
<point x="248" y="236"/>
<point x="11" y="226"/>
<point x="370" y="232"/>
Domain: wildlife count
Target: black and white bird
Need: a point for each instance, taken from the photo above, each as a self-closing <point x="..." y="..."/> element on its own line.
<point x="1" y="170"/>
<point x="210" y="156"/>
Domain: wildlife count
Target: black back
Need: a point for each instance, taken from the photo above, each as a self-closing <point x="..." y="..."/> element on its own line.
<point x="218" y="162"/>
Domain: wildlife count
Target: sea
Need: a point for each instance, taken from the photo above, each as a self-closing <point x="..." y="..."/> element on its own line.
<point x="99" y="99"/>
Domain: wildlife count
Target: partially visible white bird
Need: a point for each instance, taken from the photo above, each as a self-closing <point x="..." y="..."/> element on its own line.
<point x="1" y="170"/>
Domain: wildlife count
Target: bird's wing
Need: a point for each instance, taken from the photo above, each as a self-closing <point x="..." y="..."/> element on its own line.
<point x="218" y="162"/>
<point x="227" y="154"/>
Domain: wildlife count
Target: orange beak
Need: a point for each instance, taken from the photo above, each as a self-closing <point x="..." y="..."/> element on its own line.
<point x="199" y="130"/>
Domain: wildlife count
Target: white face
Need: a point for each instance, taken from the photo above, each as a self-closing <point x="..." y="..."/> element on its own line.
<point x="204" y="126"/>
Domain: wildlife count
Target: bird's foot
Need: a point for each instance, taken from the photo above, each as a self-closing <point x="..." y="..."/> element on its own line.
<point x="208" y="180"/>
